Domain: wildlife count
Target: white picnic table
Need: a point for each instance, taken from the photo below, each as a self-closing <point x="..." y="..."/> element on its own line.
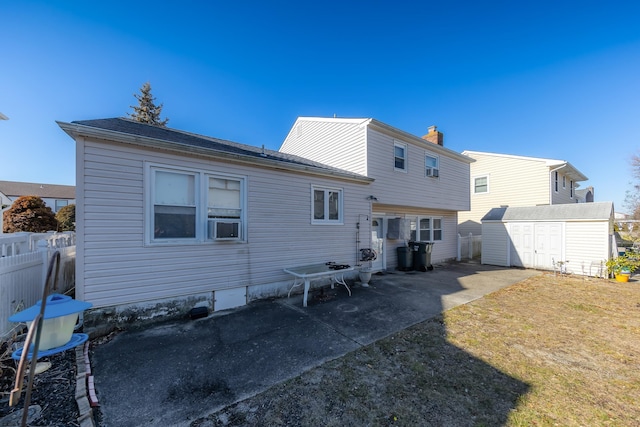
<point x="304" y="274"/>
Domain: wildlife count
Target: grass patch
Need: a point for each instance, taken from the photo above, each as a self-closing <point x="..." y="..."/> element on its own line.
<point x="548" y="351"/>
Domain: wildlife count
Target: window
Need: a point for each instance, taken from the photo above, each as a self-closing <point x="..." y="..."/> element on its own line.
<point x="194" y="206"/>
<point x="571" y="188"/>
<point x="400" y="156"/>
<point x="564" y="181"/>
<point x="437" y="228"/>
<point x="60" y="204"/>
<point x="556" y="181"/>
<point x="224" y="208"/>
<point x="431" y="165"/>
<point x="481" y="185"/>
<point x="326" y="206"/>
<point x="427" y="229"/>
<point x="174" y="205"/>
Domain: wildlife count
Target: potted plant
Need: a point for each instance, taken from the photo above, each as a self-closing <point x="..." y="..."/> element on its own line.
<point x="364" y="274"/>
<point x="622" y="266"/>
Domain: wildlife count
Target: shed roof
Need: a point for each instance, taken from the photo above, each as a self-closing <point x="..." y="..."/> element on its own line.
<point x="159" y="137"/>
<point x="42" y="190"/>
<point x="569" y="211"/>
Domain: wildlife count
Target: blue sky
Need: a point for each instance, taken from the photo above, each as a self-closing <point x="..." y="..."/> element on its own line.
<point x="553" y="79"/>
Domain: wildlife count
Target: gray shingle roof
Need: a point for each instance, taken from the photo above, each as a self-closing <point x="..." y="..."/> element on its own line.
<point x="569" y="211"/>
<point x="186" y="139"/>
<point x="42" y="190"/>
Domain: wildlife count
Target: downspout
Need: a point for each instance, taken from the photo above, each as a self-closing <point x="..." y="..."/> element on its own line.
<point x="551" y="190"/>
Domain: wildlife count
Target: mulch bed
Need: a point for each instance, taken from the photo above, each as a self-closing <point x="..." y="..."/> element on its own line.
<point x="53" y="390"/>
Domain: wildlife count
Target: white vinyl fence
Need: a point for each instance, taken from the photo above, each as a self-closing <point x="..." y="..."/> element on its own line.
<point x="469" y="247"/>
<point x="24" y="261"/>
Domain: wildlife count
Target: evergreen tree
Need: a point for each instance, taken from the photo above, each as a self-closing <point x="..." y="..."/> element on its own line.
<point x="66" y="217"/>
<point x="147" y="111"/>
<point x="29" y="213"/>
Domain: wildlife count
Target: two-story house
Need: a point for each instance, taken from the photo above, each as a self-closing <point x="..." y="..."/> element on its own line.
<point x="419" y="185"/>
<point x="54" y="196"/>
<point x="502" y="180"/>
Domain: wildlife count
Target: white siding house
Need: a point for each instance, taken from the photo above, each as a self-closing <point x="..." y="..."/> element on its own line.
<point x="168" y="219"/>
<point x="419" y="188"/>
<point x="507" y="180"/>
<point x="576" y="237"/>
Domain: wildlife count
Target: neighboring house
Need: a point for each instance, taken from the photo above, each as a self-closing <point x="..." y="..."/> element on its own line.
<point x="54" y="196"/>
<point x="585" y="195"/>
<point x="419" y="188"/>
<point x="167" y="219"/>
<point x="578" y="238"/>
<point x="501" y="180"/>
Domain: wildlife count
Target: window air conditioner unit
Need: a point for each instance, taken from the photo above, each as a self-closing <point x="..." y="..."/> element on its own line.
<point x="432" y="172"/>
<point x="224" y="229"/>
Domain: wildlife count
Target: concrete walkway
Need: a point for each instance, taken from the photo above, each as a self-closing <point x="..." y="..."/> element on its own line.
<point x="172" y="374"/>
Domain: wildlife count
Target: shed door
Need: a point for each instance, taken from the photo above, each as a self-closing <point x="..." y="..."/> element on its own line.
<point x="522" y="249"/>
<point x="535" y="244"/>
<point x="548" y="241"/>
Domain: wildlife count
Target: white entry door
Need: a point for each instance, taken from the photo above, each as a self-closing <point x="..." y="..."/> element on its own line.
<point x="377" y="243"/>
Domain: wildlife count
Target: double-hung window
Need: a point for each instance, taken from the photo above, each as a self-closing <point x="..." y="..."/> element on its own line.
<point x="431" y="166"/>
<point x="194" y="206"/>
<point x="174" y="205"/>
<point x="326" y="205"/>
<point x="426" y="229"/>
<point x="400" y="156"/>
<point x="481" y="185"/>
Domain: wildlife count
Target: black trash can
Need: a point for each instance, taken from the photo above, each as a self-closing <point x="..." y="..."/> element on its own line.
<point x="422" y="255"/>
<point x="405" y="258"/>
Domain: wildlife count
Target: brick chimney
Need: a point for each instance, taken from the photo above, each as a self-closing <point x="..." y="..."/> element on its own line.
<point x="434" y="136"/>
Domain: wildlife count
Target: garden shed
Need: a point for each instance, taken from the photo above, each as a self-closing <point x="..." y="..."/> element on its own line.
<point x="576" y="238"/>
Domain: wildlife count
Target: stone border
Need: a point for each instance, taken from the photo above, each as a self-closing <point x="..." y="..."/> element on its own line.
<point x="85" y="392"/>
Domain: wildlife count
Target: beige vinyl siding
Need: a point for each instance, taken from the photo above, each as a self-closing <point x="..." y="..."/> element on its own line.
<point x="336" y="143"/>
<point x="413" y="188"/>
<point x="512" y="181"/>
<point x="586" y="242"/>
<point x="118" y="268"/>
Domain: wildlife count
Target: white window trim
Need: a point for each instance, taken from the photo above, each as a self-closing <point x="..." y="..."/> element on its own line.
<point x="327" y="221"/>
<point x="431" y="229"/>
<point x="564" y="181"/>
<point x="201" y="189"/>
<point x="435" y="172"/>
<point x="473" y="183"/>
<point x="405" y="147"/>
